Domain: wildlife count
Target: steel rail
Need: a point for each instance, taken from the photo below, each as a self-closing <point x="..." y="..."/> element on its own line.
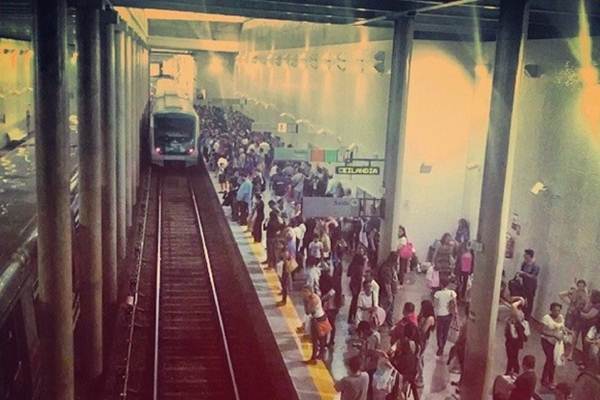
<point x="157" y="299"/>
<point x="214" y="292"/>
<point x="125" y="391"/>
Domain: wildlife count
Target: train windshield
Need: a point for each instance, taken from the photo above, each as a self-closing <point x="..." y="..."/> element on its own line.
<point x="174" y="133"/>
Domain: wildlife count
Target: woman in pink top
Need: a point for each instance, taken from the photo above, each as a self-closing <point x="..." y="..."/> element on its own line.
<point x="464" y="267"/>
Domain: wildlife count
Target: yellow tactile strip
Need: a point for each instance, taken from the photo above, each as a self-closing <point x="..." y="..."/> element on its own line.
<point x="319" y="373"/>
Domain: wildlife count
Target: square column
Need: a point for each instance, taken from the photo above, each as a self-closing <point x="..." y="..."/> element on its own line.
<point x="396" y="129"/>
<point x="90" y="186"/>
<point x="109" y="163"/>
<point x="495" y="196"/>
<point x="54" y="224"/>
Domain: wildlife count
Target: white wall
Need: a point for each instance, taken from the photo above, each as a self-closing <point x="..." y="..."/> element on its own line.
<point x="351" y="107"/>
<point x="215" y="74"/>
<point x="558" y="143"/>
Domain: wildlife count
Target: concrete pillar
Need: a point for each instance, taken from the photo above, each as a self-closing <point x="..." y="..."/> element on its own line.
<point x="90" y="184"/>
<point x="136" y="119"/>
<point x="396" y="129"/>
<point x="53" y="198"/>
<point x="493" y="218"/>
<point x="128" y="128"/>
<point x="109" y="164"/>
<point x="121" y="132"/>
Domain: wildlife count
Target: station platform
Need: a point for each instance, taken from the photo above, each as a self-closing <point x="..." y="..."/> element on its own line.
<point x="18" y="196"/>
<point x="316" y="381"/>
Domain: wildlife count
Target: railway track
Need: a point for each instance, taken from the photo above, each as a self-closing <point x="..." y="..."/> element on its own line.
<point x="191" y="353"/>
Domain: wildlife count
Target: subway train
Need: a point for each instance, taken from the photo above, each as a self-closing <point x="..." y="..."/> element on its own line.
<point x="174" y="131"/>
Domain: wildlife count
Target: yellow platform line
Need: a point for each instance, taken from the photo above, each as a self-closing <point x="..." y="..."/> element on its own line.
<point x="319" y="373"/>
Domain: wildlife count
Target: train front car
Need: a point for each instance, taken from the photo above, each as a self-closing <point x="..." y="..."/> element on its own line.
<point x="174" y="131"/>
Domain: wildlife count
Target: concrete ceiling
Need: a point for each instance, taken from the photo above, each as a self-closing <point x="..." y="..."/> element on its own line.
<point x="441" y="19"/>
<point x="436" y="19"/>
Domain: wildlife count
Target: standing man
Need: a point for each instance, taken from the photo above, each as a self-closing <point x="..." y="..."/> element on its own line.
<point x="244" y="198"/>
<point x="388" y="280"/>
<point x="529" y="273"/>
<point x="355" y="385"/>
<point x="444" y="301"/>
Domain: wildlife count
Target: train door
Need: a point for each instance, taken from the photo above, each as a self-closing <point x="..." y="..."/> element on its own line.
<point x="14" y="365"/>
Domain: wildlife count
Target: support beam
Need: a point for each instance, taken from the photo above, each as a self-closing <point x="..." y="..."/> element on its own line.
<point x="90" y="183"/>
<point x="109" y="166"/>
<point x="396" y="129"/>
<point x="175" y="43"/>
<point x="128" y="128"/>
<point x="121" y="130"/>
<point x="53" y="197"/>
<point x="495" y="197"/>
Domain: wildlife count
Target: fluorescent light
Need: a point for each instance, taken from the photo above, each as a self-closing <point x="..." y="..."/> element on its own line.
<point x="151" y="13"/>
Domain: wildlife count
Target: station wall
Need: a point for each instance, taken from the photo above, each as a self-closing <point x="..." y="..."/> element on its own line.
<point x="215" y="74"/>
<point x="558" y="144"/>
<point x="557" y="126"/>
<point x="340" y="99"/>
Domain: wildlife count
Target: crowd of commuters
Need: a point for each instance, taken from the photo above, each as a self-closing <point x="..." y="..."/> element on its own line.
<point x="318" y="251"/>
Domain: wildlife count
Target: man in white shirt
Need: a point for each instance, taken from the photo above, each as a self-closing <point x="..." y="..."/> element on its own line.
<point x="444" y="302"/>
<point x="367" y="302"/>
<point x="315" y="251"/>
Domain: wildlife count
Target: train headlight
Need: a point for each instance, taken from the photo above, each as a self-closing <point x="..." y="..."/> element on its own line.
<point x="190" y="150"/>
<point x="158" y="150"/>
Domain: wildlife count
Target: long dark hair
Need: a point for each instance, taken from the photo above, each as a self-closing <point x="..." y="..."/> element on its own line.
<point x="403" y="231"/>
<point x="426" y="309"/>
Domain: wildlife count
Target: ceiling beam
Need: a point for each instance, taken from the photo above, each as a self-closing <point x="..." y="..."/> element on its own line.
<point x="177" y="43"/>
<point x="276" y="9"/>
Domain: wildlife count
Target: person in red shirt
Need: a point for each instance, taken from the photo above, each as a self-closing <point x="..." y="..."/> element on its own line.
<point x="409" y="316"/>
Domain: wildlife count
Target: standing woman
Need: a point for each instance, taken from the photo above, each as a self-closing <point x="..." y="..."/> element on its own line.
<point x="516" y="332"/>
<point x="552" y="334"/>
<point x="259" y="217"/>
<point x="576" y="298"/>
<point x="355" y="273"/>
<point x="464" y="268"/>
<point x="426" y="321"/>
<point x="405" y="253"/>
<point x="443" y="259"/>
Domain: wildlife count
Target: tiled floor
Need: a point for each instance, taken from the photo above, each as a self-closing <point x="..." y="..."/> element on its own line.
<point x="316" y="382"/>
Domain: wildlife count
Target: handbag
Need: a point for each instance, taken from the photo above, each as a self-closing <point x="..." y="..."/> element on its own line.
<point x="385" y="377"/>
<point x="290" y="265"/>
<point x="559" y="353"/>
<point x="433" y="278"/>
<point x="406" y="252"/>
<point x="454" y="330"/>
<point x="323" y="326"/>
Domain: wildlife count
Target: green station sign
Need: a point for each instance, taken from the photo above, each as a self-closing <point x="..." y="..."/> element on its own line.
<point x="357" y="170"/>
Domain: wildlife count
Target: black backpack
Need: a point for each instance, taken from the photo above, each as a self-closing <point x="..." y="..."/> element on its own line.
<point x="406" y="362"/>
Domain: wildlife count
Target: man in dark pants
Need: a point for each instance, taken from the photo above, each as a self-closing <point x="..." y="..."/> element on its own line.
<point x="529" y="273"/>
<point x="355" y="272"/>
<point x="388" y="280"/>
<point x="444" y="301"/>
